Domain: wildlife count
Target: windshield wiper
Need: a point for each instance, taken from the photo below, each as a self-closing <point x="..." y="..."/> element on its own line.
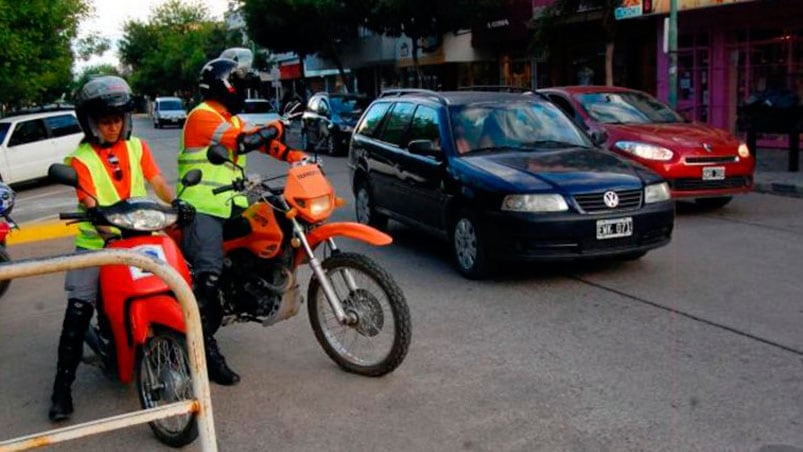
<point x="554" y="144"/>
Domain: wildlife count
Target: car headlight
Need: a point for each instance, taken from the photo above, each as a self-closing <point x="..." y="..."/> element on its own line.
<point x="645" y="151"/>
<point x="535" y="203"/>
<point x="744" y="151"/>
<point x="656" y="193"/>
<point x="142" y="219"/>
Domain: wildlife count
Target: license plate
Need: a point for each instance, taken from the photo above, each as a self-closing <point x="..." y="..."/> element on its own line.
<point x="714" y="173"/>
<point x="617" y="227"/>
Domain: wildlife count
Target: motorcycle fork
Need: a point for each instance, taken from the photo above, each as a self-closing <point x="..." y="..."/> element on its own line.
<point x="328" y="290"/>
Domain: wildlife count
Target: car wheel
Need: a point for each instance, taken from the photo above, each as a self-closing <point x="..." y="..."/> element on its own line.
<point x="155" y="124"/>
<point x="468" y="247"/>
<point x="713" y="203"/>
<point x="635" y="255"/>
<point x="364" y="208"/>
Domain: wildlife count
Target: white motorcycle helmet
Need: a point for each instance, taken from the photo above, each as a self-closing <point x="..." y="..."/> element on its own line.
<point x="7" y="196"/>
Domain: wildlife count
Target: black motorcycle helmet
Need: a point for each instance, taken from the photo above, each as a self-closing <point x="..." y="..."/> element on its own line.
<point x="224" y="81"/>
<point x="103" y="96"/>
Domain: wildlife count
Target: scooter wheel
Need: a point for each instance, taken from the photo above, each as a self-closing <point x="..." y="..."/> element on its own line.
<point x="4" y="257"/>
<point x="163" y="377"/>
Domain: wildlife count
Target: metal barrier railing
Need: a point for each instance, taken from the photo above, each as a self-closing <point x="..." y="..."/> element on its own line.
<point x="202" y="405"/>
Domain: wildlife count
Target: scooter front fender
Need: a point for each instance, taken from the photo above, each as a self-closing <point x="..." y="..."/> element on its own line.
<point x="357" y="231"/>
<point x="162" y="310"/>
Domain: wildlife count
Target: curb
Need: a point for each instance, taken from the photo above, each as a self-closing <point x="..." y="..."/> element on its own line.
<point x="35" y="232"/>
<point x="780" y="189"/>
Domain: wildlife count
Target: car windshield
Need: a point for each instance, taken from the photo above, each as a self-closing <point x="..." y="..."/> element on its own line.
<point x="520" y="126"/>
<point x="627" y="108"/>
<point x="167" y="105"/>
<point x="3" y="131"/>
<point x="348" y="105"/>
<point x="262" y="106"/>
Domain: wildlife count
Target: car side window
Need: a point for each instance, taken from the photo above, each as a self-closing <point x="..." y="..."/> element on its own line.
<point x="28" y="132"/>
<point x="425" y="125"/>
<point x="63" y="125"/>
<point x="398" y="123"/>
<point x="372" y="119"/>
<point x="567" y="108"/>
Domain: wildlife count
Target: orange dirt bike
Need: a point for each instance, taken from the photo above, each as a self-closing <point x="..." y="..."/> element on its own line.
<point x="357" y="311"/>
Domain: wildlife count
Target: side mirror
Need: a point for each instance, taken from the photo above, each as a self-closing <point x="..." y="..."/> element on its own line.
<point x="63" y="174"/>
<point x="598" y="137"/>
<point x="193" y="177"/>
<point x="426" y="148"/>
<point x="217" y="154"/>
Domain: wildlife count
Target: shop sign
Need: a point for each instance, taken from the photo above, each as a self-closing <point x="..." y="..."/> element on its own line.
<point x="637" y="8"/>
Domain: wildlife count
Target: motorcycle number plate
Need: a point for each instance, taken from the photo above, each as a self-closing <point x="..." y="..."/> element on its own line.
<point x="148" y="250"/>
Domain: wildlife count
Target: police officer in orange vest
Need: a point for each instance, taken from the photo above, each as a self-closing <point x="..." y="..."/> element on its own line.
<point x="111" y="165"/>
<point x="223" y="85"/>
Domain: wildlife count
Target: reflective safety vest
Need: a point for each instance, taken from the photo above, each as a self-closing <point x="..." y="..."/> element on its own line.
<point x="201" y="196"/>
<point x="88" y="237"/>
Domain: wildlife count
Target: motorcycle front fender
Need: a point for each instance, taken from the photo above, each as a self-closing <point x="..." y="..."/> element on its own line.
<point x="357" y="231"/>
<point x="144" y="314"/>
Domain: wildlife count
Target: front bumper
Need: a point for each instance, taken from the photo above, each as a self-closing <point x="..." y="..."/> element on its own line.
<point x="569" y="236"/>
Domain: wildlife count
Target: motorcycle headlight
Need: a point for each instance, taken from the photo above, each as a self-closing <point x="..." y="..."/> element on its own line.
<point x="744" y="151"/>
<point x="645" y="151"/>
<point x="142" y="219"/>
<point x="656" y="193"/>
<point x="535" y="203"/>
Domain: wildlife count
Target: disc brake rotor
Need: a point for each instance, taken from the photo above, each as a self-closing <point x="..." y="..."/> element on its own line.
<point x="368" y="311"/>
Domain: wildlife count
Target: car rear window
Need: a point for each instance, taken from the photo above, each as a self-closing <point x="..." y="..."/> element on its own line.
<point x="372" y="119"/>
<point x="170" y="105"/>
<point x="63" y="125"/>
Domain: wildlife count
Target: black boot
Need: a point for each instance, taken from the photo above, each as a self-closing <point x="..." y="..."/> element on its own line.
<point x="216" y="366"/>
<point x="71" y="348"/>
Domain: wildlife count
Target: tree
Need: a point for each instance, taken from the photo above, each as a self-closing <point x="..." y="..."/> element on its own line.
<point x="419" y="19"/>
<point x="35" y="50"/>
<point x="165" y="55"/>
<point x="546" y="26"/>
<point x="305" y="27"/>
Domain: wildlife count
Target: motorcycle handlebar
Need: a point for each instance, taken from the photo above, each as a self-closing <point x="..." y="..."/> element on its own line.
<point x="225" y="188"/>
<point x="73" y="216"/>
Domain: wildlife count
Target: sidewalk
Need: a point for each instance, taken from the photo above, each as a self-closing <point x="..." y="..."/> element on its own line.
<point x="773" y="175"/>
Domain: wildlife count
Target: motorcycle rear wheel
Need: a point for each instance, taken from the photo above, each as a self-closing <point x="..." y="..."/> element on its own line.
<point x="163" y="377"/>
<point x="4" y="257"/>
<point x="378" y="342"/>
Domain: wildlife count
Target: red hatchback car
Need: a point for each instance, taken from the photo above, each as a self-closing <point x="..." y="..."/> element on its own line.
<point x="700" y="162"/>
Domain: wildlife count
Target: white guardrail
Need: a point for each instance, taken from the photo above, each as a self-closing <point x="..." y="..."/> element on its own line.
<point x="202" y="405"/>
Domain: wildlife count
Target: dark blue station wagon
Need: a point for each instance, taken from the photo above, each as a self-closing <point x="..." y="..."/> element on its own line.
<point x="503" y="177"/>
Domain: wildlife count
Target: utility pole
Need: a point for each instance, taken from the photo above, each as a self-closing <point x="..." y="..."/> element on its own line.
<point x="673" y="53"/>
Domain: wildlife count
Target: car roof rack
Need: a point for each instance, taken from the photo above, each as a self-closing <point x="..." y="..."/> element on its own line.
<point x="398" y="92"/>
<point x="496" y="88"/>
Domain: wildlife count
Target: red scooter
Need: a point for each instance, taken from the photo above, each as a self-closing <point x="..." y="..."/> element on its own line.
<point x="7" y="196"/>
<point x="140" y="326"/>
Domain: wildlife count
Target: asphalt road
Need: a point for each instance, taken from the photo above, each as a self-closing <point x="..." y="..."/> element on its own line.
<point x="697" y="346"/>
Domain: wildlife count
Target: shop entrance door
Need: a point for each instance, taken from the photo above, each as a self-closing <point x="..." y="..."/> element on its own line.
<point x="693" y="83"/>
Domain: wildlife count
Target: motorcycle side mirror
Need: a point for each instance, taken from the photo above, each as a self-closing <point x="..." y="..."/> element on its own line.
<point x="217" y="154"/>
<point x="193" y="177"/>
<point x="63" y="174"/>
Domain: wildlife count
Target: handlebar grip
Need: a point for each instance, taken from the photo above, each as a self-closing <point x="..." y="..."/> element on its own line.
<point x="219" y="190"/>
<point x="73" y="216"/>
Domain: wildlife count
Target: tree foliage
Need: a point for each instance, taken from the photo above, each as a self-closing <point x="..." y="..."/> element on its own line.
<point x="35" y="54"/>
<point x="165" y="54"/>
<point x="305" y="27"/>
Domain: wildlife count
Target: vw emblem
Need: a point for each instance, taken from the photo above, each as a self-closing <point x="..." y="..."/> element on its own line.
<point x="707" y="147"/>
<point x="611" y="199"/>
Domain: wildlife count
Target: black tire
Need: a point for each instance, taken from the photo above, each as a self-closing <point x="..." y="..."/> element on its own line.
<point x="635" y="255"/>
<point x="713" y="203"/>
<point x="468" y="247"/>
<point x="173" y="383"/>
<point x="4" y="257"/>
<point x="380" y="307"/>
<point x="364" y="208"/>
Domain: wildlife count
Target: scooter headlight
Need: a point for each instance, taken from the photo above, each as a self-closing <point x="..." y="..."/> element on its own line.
<point x="144" y="218"/>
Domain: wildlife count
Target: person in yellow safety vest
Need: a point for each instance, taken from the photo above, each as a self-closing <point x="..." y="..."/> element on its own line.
<point x="222" y="85"/>
<point x="111" y="166"/>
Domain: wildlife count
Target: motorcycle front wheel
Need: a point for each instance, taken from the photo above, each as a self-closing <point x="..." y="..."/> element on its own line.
<point x="163" y="377"/>
<point x="4" y="257"/>
<point x="377" y="342"/>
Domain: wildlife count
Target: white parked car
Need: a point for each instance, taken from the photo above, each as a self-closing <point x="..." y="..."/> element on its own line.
<point x="168" y="110"/>
<point x="30" y="143"/>
<point x="257" y="113"/>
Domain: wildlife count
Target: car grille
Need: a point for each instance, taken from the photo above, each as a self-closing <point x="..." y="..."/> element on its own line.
<point x="699" y="184"/>
<point x="595" y="202"/>
<point x="712" y="159"/>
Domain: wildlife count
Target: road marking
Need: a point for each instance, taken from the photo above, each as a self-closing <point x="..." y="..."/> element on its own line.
<point x="47" y="230"/>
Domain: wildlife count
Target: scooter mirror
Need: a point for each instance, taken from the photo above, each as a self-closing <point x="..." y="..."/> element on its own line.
<point x="217" y="154"/>
<point x="63" y="174"/>
<point x="192" y="177"/>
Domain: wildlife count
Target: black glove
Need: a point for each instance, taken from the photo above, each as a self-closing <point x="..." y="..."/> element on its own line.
<point x="249" y="141"/>
<point x="185" y="210"/>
